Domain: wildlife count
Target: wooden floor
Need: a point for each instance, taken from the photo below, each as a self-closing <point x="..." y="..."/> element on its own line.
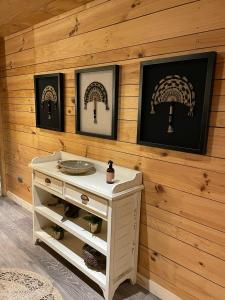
<point x="18" y="251"/>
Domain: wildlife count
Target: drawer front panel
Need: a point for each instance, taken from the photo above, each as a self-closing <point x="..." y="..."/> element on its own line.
<point x="48" y="181"/>
<point x="87" y="200"/>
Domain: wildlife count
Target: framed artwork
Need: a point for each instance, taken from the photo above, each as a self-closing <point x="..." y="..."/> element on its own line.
<point x="175" y="98"/>
<point x="49" y="101"/>
<point x="97" y="101"/>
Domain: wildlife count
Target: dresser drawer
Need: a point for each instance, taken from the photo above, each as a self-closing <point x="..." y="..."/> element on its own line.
<point x="86" y="200"/>
<point x="48" y="181"/>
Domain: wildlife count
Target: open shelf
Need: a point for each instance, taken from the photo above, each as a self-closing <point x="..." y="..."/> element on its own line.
<point x="117" y="204"/>
<point x="76" y="226"/>
<point x="71" y="249"/>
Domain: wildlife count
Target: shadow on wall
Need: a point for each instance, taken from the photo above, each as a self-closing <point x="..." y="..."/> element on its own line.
<point x="3" y="117"/>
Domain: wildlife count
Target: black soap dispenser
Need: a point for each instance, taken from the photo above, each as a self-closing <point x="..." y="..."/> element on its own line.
<point x="110" y="173"/>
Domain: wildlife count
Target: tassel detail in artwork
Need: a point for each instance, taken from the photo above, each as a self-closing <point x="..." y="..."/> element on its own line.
<point x="170" y="127"/>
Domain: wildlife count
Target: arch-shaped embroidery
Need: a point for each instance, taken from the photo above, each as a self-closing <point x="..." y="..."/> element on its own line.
<point x="95" y="92"/>
<point x="173" y="88"/>
<point x="49" y="96"/>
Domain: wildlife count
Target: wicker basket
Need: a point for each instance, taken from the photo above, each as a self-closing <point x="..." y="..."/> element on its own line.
<point x="93" y="258"/>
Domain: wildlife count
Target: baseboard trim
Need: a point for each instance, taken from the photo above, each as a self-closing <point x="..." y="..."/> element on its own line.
<point x="28" y="206"/>
<point x="155" y="288"/>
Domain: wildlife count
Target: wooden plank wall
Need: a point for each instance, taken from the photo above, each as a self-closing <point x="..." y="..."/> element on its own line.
<point x="182" y="240"/>
<point x="19" y="14"/>
<point x="2" y="86"/>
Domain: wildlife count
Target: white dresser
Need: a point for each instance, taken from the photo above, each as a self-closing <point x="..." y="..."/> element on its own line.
<point x="117" y="204"/>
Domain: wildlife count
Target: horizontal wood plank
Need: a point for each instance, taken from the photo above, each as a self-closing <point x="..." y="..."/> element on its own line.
<point x="198" y="287"/>
<point x="182" y="215"/>
<point x="186" y="205"/>
<point x="187" y="256"/>
<point x="179" y="234"/>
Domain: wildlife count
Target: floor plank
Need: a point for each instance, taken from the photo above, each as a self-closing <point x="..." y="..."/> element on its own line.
<point x="17" y="251"/>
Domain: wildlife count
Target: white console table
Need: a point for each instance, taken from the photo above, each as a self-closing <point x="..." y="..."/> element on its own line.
<point x="117" y="204"/>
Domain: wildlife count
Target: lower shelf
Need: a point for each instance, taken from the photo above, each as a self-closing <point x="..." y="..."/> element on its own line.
<point x="71" y="249"/>
<point x="77" y="226"/>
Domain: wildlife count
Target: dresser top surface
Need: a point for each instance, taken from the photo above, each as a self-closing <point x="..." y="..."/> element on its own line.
<point x="95" y="181"/>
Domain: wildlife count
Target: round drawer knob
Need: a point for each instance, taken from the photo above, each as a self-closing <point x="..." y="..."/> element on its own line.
<point x="84" y="199"/>
<point x="47" y="180"/>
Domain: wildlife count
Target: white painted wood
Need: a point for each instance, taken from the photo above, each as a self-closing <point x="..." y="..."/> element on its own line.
<point x="117" y="204"/>
<point x="126" y="180"/>
<point x="94" y="204"/>
<point x="146" y="283"/>
<point x="20" y="201"/>
<point x="78" y="227"/>
<point x="88" y="208"/>
<point x="45" y="188"/>
<point x="156" y="289"/>
<point x="137" y="212"/>
<point x="71" y="249"/>
<point x="109" y="290"/>
<point x="123" y="214"/>
<point x="49" y="182"/>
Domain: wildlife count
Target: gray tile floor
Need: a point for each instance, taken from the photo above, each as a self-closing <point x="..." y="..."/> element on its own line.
<point x="18" y="251"/>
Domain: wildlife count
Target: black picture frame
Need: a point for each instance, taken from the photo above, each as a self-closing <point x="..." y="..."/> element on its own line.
<point x="114" y="104"/>
<point x="199" y="69"/>
<point x="49" y="114"/>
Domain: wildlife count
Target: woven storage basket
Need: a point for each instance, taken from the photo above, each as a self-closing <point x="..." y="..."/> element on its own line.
<point x="93" y="258"/>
